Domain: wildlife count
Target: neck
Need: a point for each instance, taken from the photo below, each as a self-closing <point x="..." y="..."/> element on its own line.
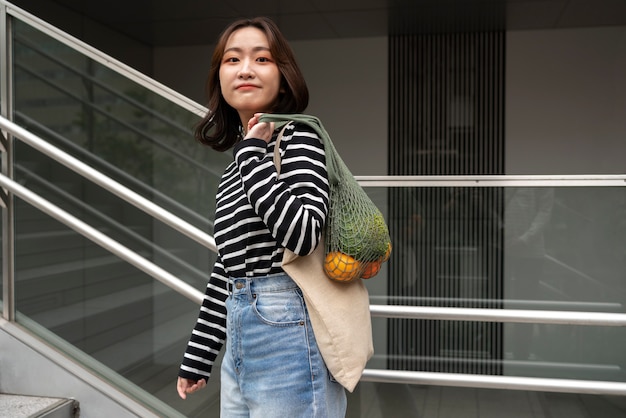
<point x="245" y="117"/>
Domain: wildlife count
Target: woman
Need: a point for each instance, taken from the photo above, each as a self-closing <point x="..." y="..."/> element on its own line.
<point x="272" y="366"/>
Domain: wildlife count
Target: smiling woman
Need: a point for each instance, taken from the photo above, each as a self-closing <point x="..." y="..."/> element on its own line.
<point x="249" y="76"/>
<point x="220" y="127"/>
<point x="272" y="365"/>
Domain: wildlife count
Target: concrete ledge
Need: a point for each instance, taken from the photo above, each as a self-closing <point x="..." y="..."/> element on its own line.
<point x="20" y="406"/>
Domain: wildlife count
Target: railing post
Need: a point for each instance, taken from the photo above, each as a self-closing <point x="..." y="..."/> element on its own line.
<point x="6" y="139"/>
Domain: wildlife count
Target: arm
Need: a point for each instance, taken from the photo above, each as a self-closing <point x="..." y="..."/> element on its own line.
<point x="293" y="206"/>
<point x="208" y="335"/>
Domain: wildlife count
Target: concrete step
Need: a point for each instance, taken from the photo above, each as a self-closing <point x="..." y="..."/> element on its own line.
<point x="20" y="406"/>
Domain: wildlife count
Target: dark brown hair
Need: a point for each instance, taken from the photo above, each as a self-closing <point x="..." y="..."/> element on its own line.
<point x="220" y="128"/>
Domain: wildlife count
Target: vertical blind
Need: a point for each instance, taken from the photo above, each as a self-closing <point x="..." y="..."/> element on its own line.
<point x="446" y="117"/>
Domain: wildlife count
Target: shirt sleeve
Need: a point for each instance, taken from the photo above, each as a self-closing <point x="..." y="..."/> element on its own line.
<point x="209" y="333"/>
<point x="293" y="205"/>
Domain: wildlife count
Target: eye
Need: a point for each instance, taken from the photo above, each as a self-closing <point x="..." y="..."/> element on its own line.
<point x="264" y="59"/>
<point x="231" y="59"/>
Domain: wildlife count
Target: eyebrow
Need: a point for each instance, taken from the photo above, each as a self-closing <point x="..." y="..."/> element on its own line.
<point x="255" y="49"/>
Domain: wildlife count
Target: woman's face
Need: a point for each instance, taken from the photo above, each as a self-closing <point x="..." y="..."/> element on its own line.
<point x="249" y="76"/>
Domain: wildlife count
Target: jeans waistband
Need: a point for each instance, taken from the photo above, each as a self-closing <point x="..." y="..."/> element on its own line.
<point x="270" y="283"/>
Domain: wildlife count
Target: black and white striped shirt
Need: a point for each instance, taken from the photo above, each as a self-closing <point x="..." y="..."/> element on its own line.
<point x="258" y="214"/>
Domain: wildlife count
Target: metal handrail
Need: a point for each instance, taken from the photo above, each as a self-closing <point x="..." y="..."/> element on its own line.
<point x="499" y="303"/>
<point x="109" y="184"/>
<point x="495" y="382"/>
<point x="576" y="180"/>
<point x="500" y="315"/>
<point x="103" y="240"/>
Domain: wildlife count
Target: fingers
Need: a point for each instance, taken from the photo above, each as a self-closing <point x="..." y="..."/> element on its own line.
<point x="253" y="121"/>
<point x="199" y="385"/>
<point x="185" y="386"/>
<point x="260" y="130"/>
<point x="181" y="387"/>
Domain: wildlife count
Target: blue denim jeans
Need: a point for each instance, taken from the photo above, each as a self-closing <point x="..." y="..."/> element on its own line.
<point x="272" y="366"/>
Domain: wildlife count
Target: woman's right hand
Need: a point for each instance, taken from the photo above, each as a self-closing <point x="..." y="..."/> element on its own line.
<point x="259" y="130"/>
<point x="185" y="386"/>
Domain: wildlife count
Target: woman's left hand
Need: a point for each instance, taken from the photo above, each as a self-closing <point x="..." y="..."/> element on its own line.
<point x="260" y="130"/>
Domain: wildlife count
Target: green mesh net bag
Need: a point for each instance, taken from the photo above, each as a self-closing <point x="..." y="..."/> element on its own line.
<point x="356" y="235"/>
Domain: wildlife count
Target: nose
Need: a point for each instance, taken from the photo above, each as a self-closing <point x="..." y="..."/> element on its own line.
<point x="245" y="71"/>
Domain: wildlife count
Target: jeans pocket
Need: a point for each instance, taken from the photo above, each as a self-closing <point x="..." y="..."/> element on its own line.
<point x="280" y="308"/>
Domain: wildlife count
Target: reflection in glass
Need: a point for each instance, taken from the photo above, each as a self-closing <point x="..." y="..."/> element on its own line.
<point x="527" y="212"/>
<point x="447" y="254"/>
<point x="552" y="248"/>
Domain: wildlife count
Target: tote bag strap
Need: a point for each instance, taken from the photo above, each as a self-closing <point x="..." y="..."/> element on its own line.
<point x="335" y="166"/>
<point x="277" y="149"/>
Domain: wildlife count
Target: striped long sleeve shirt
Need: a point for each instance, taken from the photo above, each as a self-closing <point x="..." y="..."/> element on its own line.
<point x="258" y="214"/>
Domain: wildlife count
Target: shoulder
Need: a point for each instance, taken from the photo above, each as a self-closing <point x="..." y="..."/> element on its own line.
<point x="298" y="126"/>
<point x="299" y="132"/>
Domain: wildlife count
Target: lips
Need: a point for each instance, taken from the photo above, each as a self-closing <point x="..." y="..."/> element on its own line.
<point x="246" y="86"/>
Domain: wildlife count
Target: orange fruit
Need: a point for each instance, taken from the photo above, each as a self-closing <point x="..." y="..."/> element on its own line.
<point x="341" y="267"/>
<point x="371" y="269"/>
